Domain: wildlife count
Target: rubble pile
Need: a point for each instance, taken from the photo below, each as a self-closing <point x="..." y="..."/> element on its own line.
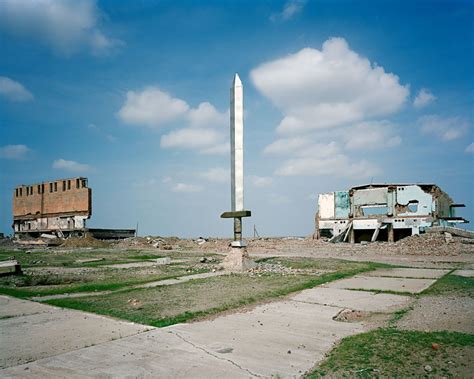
<point x="276" y="268"/>
<point x="431" y="244"/>
<point x="86" y="241"/>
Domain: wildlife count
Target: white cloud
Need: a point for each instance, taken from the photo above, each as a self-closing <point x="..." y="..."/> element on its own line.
<point x="151" y="107"/>
<point x="470" y="149"/>
<point x="260" y="181"/>
<point x="14" y="151"/>
<point x="13" y="90"/>
<point x="423" y="98"/>
<point x="445" y="128"/>
<point x="186" y="188"/>
<point x="72" y="166"/>
<point x="216" y="174"/>
<point x="205" y="115"/>
<point x="325" y="159"/>
<point x="67" y="26"/>
<point x="290" y="10"/>
<point x="370" y="136"/>
<point x="191" y="138"/>
<point x="287" y="145"/>
<point x="335" y="165"/>
<point x="220" y="149"/>
<point x="329" y="87"/>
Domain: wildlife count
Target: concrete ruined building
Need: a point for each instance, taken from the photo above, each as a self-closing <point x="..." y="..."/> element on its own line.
<point x="383" y="212"/>
<point x="60" y="207"/>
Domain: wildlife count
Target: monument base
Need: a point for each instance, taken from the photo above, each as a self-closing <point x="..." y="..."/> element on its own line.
<point x="238" y="260"/>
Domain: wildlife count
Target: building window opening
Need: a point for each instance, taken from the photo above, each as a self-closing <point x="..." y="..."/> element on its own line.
<point x="413" y="206"/>
<point x="21" y="191"/>
<point x="64" y="185"/>
<point x="371" y="210"/>
<point x="77" y="183"/>
<point x="42" y="188"/>
<point x="55" y="187"/>
<point x="16" y="192"/>
<point x="68" y="184"/>
<point x="50" y="187"/>
<point x="84" y="183"/>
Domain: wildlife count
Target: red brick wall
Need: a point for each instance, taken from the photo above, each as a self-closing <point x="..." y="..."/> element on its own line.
<point x="69" y="201"/>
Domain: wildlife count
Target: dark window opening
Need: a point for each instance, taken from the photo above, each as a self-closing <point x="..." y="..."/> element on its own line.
<point x="50" y="187"/>
<point x="16" y="192"/>
<point x="55" y="187"/>
<point x="77" y="183"/>
<point x="39" y="188"/>
<point x="68" y="184"/>
<point x="398" y="234"/>
<point x="21" y="191"/>
<point x="64" y="185"/>
<point x="42" y="188"/>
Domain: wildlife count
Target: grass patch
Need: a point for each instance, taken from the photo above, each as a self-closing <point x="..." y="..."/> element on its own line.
<point x="452" y="285"/>
<point x="391" y="353"/>
<point x="167" y="305"/>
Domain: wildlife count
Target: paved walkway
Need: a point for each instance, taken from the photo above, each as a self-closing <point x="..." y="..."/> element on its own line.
<point x="157" y="283"/>
<point x="284" y="338"/>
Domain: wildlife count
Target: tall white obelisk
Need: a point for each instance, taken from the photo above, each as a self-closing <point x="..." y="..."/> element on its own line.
<point x="237" y="161"/>
<point x="237" y="144"/>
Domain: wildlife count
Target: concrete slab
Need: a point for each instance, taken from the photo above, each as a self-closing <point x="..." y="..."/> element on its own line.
<point x="278" y="339"/>
<point x="34" y="331"/>
<point x="357" y="300"/>
<point x="420" y="273"/>
<point x="465" y="273"/>
<point x="180" y="279"/>
<point x="383" y="284"/>
<point x="132" y="265"/>
<point x="155" y="354"/>
<point x="283" y="338"/>
<point x="11" y="307"/>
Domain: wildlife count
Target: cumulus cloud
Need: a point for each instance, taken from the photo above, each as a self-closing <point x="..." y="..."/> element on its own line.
<point x="470" y="149"/>
<point x="14" y="151"/>
<point x="325" y="88"/>
<point x="67" y="26"/>
<point x="190" y="138"/>
<point x="186" y="188"/>
<point x="423" y="98"/>
<point x="290" y="10"/>
<point x="206" y="115"/>
<point x="260" y="181"/>
<point x="287" y="145"/>
<point x="151" y="107"/>
<point x="325" y="159"/>
<point x="445" y="128"/>
<point x="370" y="136"/>
<point x="216" y="174"/>
<point x="72" y="166"/>
<point x="13" y="90"/>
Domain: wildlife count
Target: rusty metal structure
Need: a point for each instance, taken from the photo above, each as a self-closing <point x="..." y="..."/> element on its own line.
<point x="383" y="212"/>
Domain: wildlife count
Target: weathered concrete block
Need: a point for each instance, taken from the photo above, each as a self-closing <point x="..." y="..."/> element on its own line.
<point x="238" y="261"/>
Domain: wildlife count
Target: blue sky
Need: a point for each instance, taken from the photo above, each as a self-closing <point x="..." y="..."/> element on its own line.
<point x="134" y="95"/>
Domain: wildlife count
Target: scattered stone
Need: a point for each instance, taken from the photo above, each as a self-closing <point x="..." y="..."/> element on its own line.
<point x="163" y="261"/>
<point x="428" y="368"/>
<point x="435" y="346"/>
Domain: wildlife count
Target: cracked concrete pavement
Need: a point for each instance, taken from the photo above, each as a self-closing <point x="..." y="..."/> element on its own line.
<point x="284" y="338"/>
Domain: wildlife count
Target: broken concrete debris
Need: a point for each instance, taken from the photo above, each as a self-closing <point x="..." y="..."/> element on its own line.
<point x="383" y="212"/>
<point x="11" y="267"/>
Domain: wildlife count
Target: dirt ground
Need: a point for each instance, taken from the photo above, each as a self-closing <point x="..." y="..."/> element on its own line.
<point x="437" y="313"/>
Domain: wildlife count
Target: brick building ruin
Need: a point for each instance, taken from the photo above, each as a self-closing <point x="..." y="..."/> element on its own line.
<point x="383" y="212"/>
<point x="60" y="206"/>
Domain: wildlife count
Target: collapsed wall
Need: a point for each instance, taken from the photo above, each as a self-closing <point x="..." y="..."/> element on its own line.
<point x="383" y="212"/>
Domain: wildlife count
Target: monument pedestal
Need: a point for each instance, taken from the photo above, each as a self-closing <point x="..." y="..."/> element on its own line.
<point x="238" y="260"/>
